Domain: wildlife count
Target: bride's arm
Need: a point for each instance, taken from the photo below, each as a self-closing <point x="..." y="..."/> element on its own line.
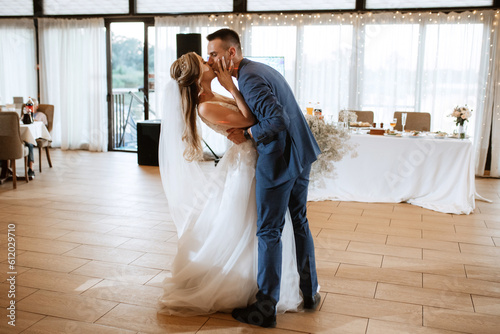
<point x="226" y="80"/>
<point x="218" y="114"/>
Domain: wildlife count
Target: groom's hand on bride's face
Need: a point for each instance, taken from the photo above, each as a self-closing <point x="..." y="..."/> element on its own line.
<point x="236" y="135"/>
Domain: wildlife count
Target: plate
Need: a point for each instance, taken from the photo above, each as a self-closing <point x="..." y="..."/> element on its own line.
<point x="359" y="125"/>
<point x="456" y="136"/>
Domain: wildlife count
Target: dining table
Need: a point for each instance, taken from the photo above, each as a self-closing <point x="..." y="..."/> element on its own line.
<point x="426" y="170"/>
<point x="31" y="132"/>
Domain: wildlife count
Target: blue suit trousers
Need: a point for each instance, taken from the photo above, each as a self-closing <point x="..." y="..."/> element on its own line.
<point x="272" y="204"/>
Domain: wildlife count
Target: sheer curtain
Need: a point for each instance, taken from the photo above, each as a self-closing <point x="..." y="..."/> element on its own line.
<point x="383" y="62"/>
<point x="489" y="124"/>
<point x="17" y="59"/>
<point x="73" y="79"/>
<point x="166" y="30"/>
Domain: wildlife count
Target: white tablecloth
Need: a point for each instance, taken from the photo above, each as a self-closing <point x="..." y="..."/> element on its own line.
<point x="33" y="131"/>
<point x="436" y="174"/>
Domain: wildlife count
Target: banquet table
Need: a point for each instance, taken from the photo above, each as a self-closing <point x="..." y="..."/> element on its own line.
<point x="31" y="132"/>
<point x="432" y="173"/>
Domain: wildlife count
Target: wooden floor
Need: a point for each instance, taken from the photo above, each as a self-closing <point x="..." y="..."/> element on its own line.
<point x="94" y="241"/>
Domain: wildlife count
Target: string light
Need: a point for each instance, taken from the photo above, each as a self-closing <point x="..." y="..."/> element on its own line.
<point x="365" y="21"/>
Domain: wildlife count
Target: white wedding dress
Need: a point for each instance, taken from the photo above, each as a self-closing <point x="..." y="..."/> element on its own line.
<point x="215" y="268"/>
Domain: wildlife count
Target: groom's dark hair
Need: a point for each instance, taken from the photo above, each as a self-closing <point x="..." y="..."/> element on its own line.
<point x="228" y="36"/>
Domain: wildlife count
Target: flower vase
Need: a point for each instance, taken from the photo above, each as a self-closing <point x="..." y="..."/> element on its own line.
<point x="461" y="131"/>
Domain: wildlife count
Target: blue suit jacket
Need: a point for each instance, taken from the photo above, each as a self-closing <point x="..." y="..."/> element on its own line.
<point x="284" y="141"/>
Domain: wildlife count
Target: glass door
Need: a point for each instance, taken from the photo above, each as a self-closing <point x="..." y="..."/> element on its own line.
<point x="129" y="81"/>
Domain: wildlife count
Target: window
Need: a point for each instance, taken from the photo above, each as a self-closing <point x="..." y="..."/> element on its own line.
<point x="373" y="4"/>
<point x="325" y="65"/>
<point x="76" y="7"/>
<point x="273" y="41"/>
<point x="276" y="5"/>
<point x="16" y="8"/>
<point x="175" y="6"/>
<point x="389" y="67"/>
<point x="451" y="73"/>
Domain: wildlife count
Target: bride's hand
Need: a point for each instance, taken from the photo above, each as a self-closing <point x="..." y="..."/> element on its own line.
<point x="224" y="74"/>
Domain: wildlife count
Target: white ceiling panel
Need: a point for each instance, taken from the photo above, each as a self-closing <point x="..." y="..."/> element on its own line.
<point x="375" y="4"/>
<point x="16" y="8"/>
<point x="87" y="7"/>
<point x="291" y="5"/>
<point x="186" y="6"/>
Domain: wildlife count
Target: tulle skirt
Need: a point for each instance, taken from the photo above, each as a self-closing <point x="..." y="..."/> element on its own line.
<point x="215" y="268"/>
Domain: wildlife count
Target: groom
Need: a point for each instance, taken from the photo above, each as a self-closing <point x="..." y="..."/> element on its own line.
<point x="286" y="150"/>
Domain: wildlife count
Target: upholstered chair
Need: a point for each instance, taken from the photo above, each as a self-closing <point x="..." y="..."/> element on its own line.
<point x="415" y="121"/>
<point x="11" y="145"/>
<point x="363" y="116"/>
<point x="48" y="110"/>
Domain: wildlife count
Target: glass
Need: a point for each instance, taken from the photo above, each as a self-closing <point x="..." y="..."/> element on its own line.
<point x="376" y="4"/>
<point x="276" y="5"/>
<point x="16" y="8"/>
<point x="393" y="123"/>
<point x="403" y="120"/>
<point x="151" y="99"/>
<point x="173" y="6"/>
<point x="309" y="108"/>
<point x="73" y="7"/>
<point x="127" y="73"/>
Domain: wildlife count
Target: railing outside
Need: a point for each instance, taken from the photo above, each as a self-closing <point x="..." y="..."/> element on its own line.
<point x="128" y="109"/>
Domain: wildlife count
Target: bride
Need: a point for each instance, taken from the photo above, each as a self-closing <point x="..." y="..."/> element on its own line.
<point x="215" y="214"/>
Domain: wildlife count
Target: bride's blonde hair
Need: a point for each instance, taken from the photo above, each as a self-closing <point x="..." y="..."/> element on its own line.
<point x="187" y="72"/>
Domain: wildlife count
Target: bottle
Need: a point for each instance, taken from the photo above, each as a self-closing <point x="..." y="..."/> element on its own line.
<point x="28" y="112"/>
<point x="30" y="106"/>
<point x="317" y="111"/>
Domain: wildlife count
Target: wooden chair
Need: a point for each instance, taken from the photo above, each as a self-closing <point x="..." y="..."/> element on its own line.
<point x="415" y="121"/>
<point x="48" y="110"/>
<point x="11" y="145"/>
<point x="363" y="116"/>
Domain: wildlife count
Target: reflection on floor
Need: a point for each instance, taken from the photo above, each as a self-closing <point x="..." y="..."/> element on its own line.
<point x="94" y="241"/>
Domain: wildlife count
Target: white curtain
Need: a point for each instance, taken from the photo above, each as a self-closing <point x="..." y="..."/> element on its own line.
<point x="17" y="60"/>
<point x="489" y="124"/>
<point x="73" y="79"/>
<point x="383" y="62"/>
<point x="166" y="30"/>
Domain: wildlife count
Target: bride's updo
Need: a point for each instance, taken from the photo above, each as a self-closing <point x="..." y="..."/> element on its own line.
<point x="187" y="72"/>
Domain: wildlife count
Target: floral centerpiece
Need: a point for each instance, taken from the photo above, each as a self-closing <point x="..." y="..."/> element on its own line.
<point x="334" y="145"/>
<point x="347" y="116"/>
<point x="462" y="115"/>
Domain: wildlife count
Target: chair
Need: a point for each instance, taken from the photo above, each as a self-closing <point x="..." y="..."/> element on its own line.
<point x="363" y="116"/>
<point x="415" y="121"/>
<point x="48" y="110"/>
<point x="18" y="102"/>
<point x="11" y="145"/>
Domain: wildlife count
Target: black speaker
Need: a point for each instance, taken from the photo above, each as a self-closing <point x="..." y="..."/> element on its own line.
<point x="188" y="43"/>
<point x="148" y="138"/>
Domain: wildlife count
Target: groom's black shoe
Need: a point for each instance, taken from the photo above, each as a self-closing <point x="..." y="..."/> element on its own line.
<point x="311" y="303"/>
<point x="261" y="313"/>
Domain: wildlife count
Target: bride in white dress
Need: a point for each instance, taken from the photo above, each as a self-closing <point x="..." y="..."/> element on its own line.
<point x="215" y="268"/>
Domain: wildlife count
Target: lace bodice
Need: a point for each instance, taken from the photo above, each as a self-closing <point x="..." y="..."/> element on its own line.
<point x="219" y="128"/>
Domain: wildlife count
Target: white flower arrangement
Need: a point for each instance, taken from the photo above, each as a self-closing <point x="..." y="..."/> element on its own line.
<point x="347" y="116"/>
<point x="462" y="114"/>
<point x="334" y="146"/>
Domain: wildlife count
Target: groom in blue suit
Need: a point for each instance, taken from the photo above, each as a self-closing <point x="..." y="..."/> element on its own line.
<point x="287" y="149"/>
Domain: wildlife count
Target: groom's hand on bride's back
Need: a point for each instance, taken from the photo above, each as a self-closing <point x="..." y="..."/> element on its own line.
<point x="236" y="135"/>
